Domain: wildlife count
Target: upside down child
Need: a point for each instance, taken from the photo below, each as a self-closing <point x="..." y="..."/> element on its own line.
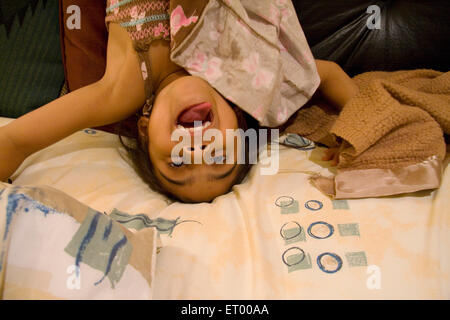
<point x="214" y="62"/>
<point x="141" y="76"/>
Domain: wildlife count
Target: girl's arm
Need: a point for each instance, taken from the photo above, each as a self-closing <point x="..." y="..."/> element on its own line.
<point x="336" y="86"/>
<point x="116" y="96"/>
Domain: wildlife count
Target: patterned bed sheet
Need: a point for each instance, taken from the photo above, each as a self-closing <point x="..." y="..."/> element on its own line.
<point x="272" y="237"/>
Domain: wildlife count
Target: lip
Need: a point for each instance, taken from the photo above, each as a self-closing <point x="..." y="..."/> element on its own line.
<point x="192" y="130"/>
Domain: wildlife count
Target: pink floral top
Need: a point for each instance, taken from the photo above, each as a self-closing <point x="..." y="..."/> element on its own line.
<point x="144" y="20"/>
<point x="253" y="52"/>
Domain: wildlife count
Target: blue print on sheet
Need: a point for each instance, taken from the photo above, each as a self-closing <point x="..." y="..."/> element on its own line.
<point x="292" y="232"/>
<point x="296" y="258"/>
<point x="287" y="205"/>
<point x="140" y="221"/>
<point x="101" y="244"/>
<point x="17" y="203"/>
<point x="296" y="141"/>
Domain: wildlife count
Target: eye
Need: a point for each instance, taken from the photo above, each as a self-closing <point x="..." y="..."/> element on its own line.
<point x="219" y="159"/>
<point x="176" y="163"/>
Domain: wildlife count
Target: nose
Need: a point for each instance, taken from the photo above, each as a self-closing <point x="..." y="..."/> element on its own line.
<point x="206" y="153"/>
<point x="189" y="150"/>
<point x="193" y="148"/>
<point x="195" y="152"/>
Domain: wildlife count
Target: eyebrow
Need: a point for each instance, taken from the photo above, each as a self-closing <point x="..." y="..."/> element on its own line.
<point x="191" y="179"/>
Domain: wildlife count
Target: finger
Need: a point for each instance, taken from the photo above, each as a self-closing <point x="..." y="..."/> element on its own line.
<point x="329" y="154"/>
<point x="335" y="160"/>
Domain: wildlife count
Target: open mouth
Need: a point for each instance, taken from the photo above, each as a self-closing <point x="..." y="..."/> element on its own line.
<point x="200" y="113"/>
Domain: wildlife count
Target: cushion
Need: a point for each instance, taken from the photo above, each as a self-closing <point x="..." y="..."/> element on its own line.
<point x="84" y="49"/>
<point x="54" y="247"/>
<point x="32" y="73"/>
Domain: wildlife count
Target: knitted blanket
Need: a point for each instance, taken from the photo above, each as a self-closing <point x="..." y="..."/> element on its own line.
<point x="392" y="134"/>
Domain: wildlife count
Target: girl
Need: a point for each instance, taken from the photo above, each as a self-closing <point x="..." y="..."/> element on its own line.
<point x="141" y="75"/>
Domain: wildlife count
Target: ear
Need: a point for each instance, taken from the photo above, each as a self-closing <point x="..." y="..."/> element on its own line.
<point x="143" y="128"/>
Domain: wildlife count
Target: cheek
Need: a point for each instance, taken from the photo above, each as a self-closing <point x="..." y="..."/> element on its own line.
<point x="159" y="132"/>
<point x="228" y="119"/>
<point x="160" y="122"/>
<point x="227" y="116"/>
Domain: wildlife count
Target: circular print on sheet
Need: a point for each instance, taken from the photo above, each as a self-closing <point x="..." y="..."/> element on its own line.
<point x="284" y="201"/>
<point x="329" y="262"/>
<point x="293" y="251"/>
<point x="313" y="205"/>
<point x="320" y="230"/>
<point x="295" y="225"/>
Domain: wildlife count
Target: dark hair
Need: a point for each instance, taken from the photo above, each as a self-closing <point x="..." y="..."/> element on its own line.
<point x="139" y="153"/>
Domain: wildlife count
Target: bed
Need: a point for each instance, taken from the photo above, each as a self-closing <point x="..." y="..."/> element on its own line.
<point x="78" y="223"/>
<point x="272" y="237"/>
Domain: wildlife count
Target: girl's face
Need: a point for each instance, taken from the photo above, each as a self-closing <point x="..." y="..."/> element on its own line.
<point x="189" y="182"/>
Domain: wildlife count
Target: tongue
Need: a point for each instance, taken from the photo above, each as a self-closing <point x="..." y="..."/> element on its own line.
<point x="196" y="113"/>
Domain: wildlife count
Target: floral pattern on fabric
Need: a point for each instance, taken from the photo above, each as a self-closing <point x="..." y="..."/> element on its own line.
<point x="253" y="51"/>
<point x="209" y="67"/>
<point x="261" y="77"/>
<point x="178" y="20"/>
<point x="144" y="20"/>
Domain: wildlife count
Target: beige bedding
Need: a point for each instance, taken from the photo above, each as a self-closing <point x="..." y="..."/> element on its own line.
<point x="272" y="237"/>
<point x="392" y="134"/>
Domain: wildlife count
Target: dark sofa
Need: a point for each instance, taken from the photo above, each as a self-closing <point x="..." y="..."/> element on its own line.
<point x="411" y="35"/>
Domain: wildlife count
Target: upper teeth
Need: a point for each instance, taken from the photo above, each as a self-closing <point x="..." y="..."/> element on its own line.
<point x="196" y="128"/>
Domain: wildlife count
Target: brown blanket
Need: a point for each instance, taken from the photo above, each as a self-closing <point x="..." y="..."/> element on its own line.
<point x="392" y="134"/>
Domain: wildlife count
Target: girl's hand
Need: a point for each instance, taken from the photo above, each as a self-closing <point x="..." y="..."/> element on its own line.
<point x="332" y="154"/>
